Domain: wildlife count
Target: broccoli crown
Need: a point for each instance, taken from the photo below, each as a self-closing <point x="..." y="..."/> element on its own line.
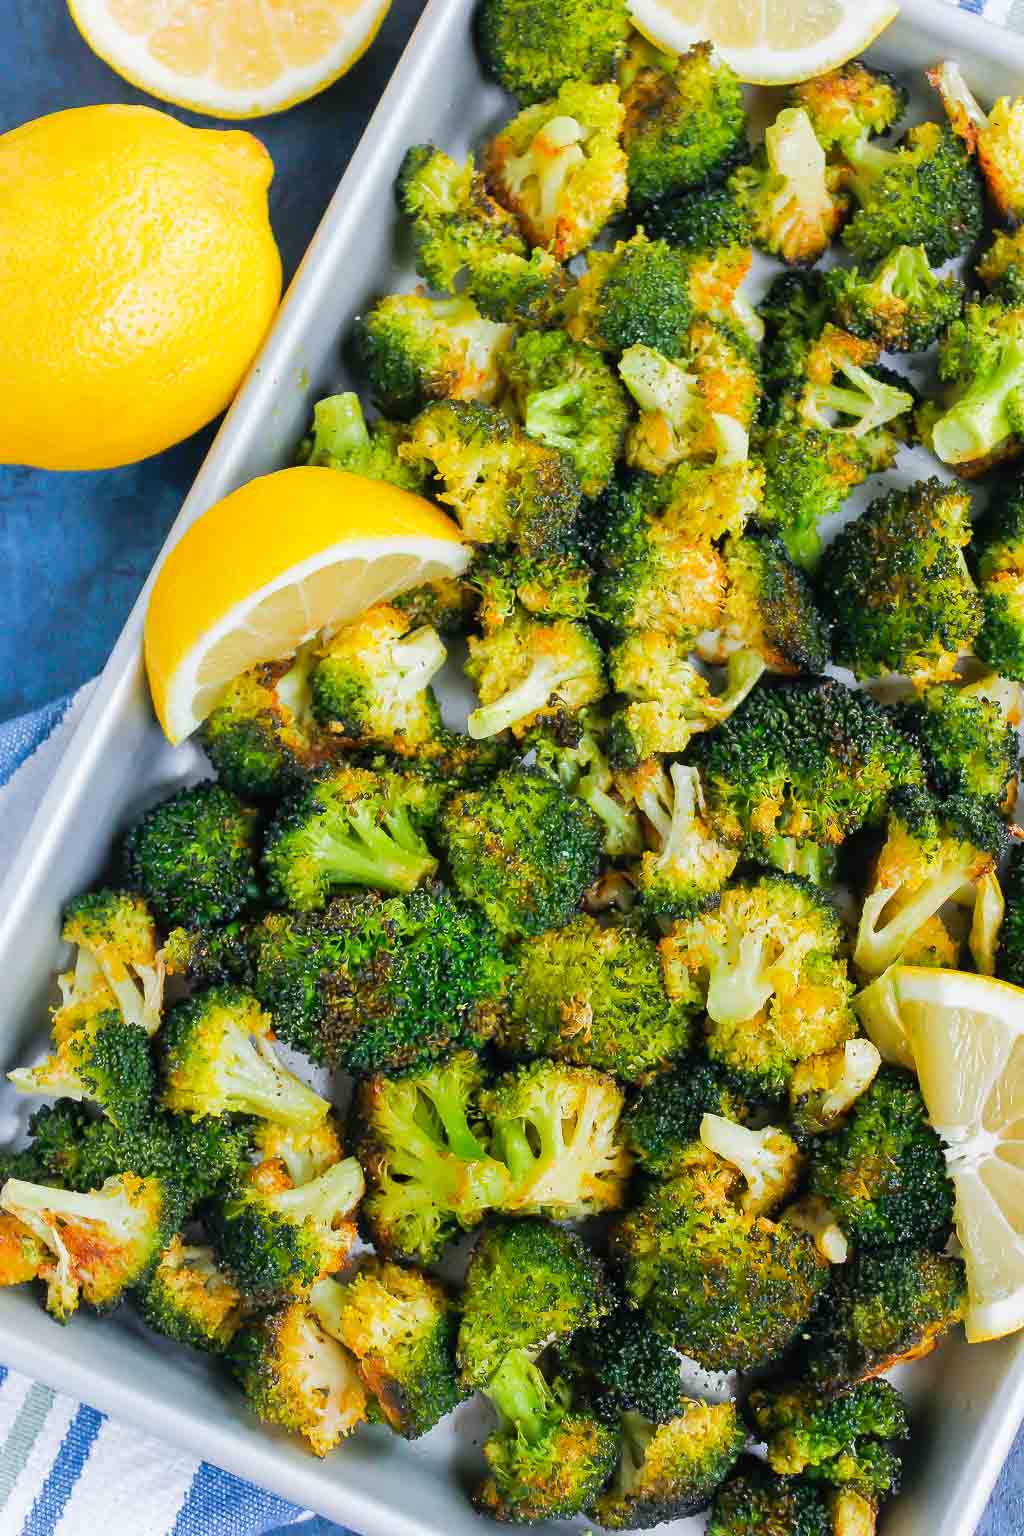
<point x="447" y="605"/>
<point x="968" y="745"/>
<point x="274" y="1242"/>
<point x="350" y="827"/>
<point x="998" y="556"/>
<point x="189" y="1300"/>
<point x="707" y="220"/>
<point x="794" y="312"/>
<point x="561" y="168"/>
<point x="808" y="474"/>
<point x="764" y="966"/>
<point x="883" y="1307"/>
<point x="371" y="684"/>
<point x="593" y="996"/>
<point x="832" y="1439"/>
<point x="770" y="606"/>
<point x="96" y="1056"/>
<point x="209" y="957"/>
<point x="401" y="1326"/>
<point x="295" y="1375"/>
<point x="193" y="857"/>
<point x="981" y="362"/>
<point x="850" y="102"/>
<point x="424" y="1148"/>
<point x="524" y="291"/>
<point x="634" y="295"/>
<point x="726" y="1287"/>
<point x="554" y="585"/>
<point x="55" y="1151"/>
<point x="341" y="439"/>
<point x="261" y="738"/>
<point x="117" y="964"/>
<point x="502" y="485"/>
<point x="582" y="768"/>
<point x="529" y="1283"/>
<point x="412" y="349"/>
<point x="884" y="1171"/>
<point x="686" y="866"/>
<point x="623" y="1366"/>
<point x="456" y="223"/>
<point x="684" y="121"/>
<point x="901" y="303"/>
<point x="570" y="399"/>
<point x="546" y="1460"/>
<point x="557" y="1130"/>
<point x="671" y="1470"/>
<point x="373" y="984"/>
<point x="793" y="196"/>
<point x="216" y="1059"/>
<point x="528" y="671"/>
<point x="812" y="760"/>
<point x="757" y="1502"/>
<point x="522" y="850"/>
<point x="1010" y="954"/>
<point x="534" y="47"/>
<point x="924" y="192"/>
<point x="1001" y="267"/>
<point x="663" y="1121"/>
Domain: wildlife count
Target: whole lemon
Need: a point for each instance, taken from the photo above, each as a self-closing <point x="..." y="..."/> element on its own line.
<point x="138" y="276"/>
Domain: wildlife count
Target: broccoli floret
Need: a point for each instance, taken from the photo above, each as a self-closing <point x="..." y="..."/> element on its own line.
<point x="548" y="1460"/>
<point x="686" y="866"/>
<point x="623" y="1367"/>
<point x="671" y="1470"/>
<point x="980" y="418"/>
<point x="556" y="586"/>
<point x="896" y="587"/>
<point x="583" y="769"/>
<point x="216" y="1058"/>
<point x="769" y="1160"/>
<point x="208" y="957"/>
<point x="261" y="738"/>
<point x="533" y="47"/>
<point x="374" y="984"/>
<point x="503" y="486"/>
<point x="884" y="1307"/>
<point x="341" y="439"/>
<point x="96" y="1056"/>
<point x="455" y="222"/>
<point x="794" y="198"/>
<point x="193" y="857"/>
<point x="667" y="701"/>
<point x="424" y="1149"/>
<point x="413" y="349"/>
<point x="593" y="996"/>
<point x="933" y="852"/>
<point x="849" y="102"/>
<point x="664" y="1120"/>
<point x="570" y="399"/>
<point x="98" y="1244"/>
<point x="966" y="737"/>
<point x="349" y="827"/>
<point x="447" y="605"/>
<point x="22" y="1255"/>
<point x="556" y="1128"/>
<point x="1010" y="952"/>
<point x="757" y="1502"/>
<point x="900" y="303"/>
<point x="634" y="295"/>
<point x="55" y="1151"/>
<point x="996" y="137"/>
<point x="302" y="1154"/>
<point x="684" y="120"/>
<point x="997" y="555"/>
<point x="823" y="1088"/>
<point x="715" y="227"/>
<point x="371" y="683"/>
<point x="726" y="1287"/>
<point x="769" y="609"/>
<point x="117" y="958"/>
<point x="924" y="192"/>
<point x="698" y="408"/>
<point x="400" y="1325"/>
<point x="837" y="390"/>
<point x="794" y="312"/>
<point x="274" y="1239"/>
<point x="190" y="1300"/>
<point x="560" y="167"/>
<point x="808" y="474"/>
<point x="809" y="759"/>
<point x="1001" y="267"/>
<point x="296" y="1376"/>
<point x="765" y="966"/>
<point x="521" y="849"/>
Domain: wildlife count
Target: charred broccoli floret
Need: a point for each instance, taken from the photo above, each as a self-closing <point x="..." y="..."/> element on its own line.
<point x="997" y="554"/>
<point x="414" y="349"/>
<point x="664" y="1120"/>
<point x="726" y="1287"/>
<point x="757" y="1502"/>
<point x="671" y="1470"/>
<point x="769" y="1160"/>
<point x="583" y="769"/>
<point x="302" y="1154"/>
<point x="896" y="586"/>
<point x="527" y="672"/>
<point x="1010" y="953"/>
<point x="901" y="303"/>
<point x="835" y="1440"/>
<point x="884" y="1172"/>
<point x="715" y="227"/>
<point x="262" y="738"/>
<point x="193" y="857"/>
<point x="849" y="102"/>
<point x="208" y="957"/>
<point x="529" y="1284"/>
<point x="189" y="1299"/>
<point x="769" y="609"/>
<point x="556" y="586"/>
<point x="371" y="683"/>
<point x="216" y="1059"/>
<point x="980" y="419"/>
<point x="924" y="192"/>
<point x="666" y="699"/>
<point x="634" y="295"/>
<point x="521" y="849"/>
<point x="684" y="120"/>
<point x="447" y="605"/>
<point x="570" y="399"/>
<point x="455" y="222"/>
<point x="686" y="865"/>
<point x="372" y="984"/>
<point x="97" y="1057"/>
<point x="967" y="736"/>
<point x="424" y="1149"/>
<point x="533" y="47"/>
<point x="623" y="1367"/>
<point x="794" y="198"/>
<point x="593" y="996"/>
<point x="996" y="137"/>
<point x="341" y="440"/>
<point x="697" y="408"/>
<point x="560" y="167"/>
<point x="117" y="964"/>
<point x="823" y="1088"/>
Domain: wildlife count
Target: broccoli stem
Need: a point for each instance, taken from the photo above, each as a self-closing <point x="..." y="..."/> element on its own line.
<point x="870" y="402"/>
<point x="979" y="421"/>
<point x="339" y="430"/>
<point x="449" y="1104"/>
<point x="675" y="829"/>
<point x="328" y="1197"/>
<point x="416" y="660"/>
<point x="552" y="415"/>
<point x="255" y="1083"/>
<point x="877" y="948"/>
<point x="525" y="699"/>
<point x="522" y="1396"/>
<point x="740" y="982"/>
<point x="391" y="858"/>
<point x="637" y="1434"/>
<point x="329" y="1300"/>
<point x="293" y="688"/>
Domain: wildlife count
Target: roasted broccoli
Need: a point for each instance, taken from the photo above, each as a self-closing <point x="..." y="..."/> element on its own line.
<point x="193" y="857"/>
<point x="900" y="303"/>
<point x="455" y="221"/>
<point x="262" y="738"/>
<point x="117" y="963"/>
<point x="793" y="197"/>
<point x="757" y="1502"/>
<point x="666" y="700"/>
<point x="372" y="984"/>
<point x="996" y="137"/>
<point x="663" y="1122"/>
<point x="924" y="192"/>
<point x="414" y="349"/>
<point x="533" y="47"/>
<point x="684" y="120"/>
<point x="979" y="420"/>
<point x="447" y="604"/>
<point x="831" y="1439"/>
<point x="823" y="1088"/>
<point x="686" y="865"/>
<point x="623" y="1367"/>
<point x="583" y="769"/>
<point x="769" y="609"/>
<point x="968" y="737"/>
<point x="371" y="683"/>
<point x="1001" y="267"/>
<point x="698" y="408"/>
<point x="342" y="440"/>
<point x="670" y="1470"/>
<point x="849" y="102"/>
<point x="98" y="1057"/>
<point x="634" y="295"/>
<point x="555" y="586"/>
<point x="528" y="671"/>
<point x="997" y="554"/>
<point x="188" y="1298"/>
<point x="769" y="1160"/>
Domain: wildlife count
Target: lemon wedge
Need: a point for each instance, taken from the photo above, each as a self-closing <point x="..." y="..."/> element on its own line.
<point x="280" y="560"/>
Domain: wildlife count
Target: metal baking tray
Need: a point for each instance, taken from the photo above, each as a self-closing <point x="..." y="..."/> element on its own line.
<point x="967" y="1402"/>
